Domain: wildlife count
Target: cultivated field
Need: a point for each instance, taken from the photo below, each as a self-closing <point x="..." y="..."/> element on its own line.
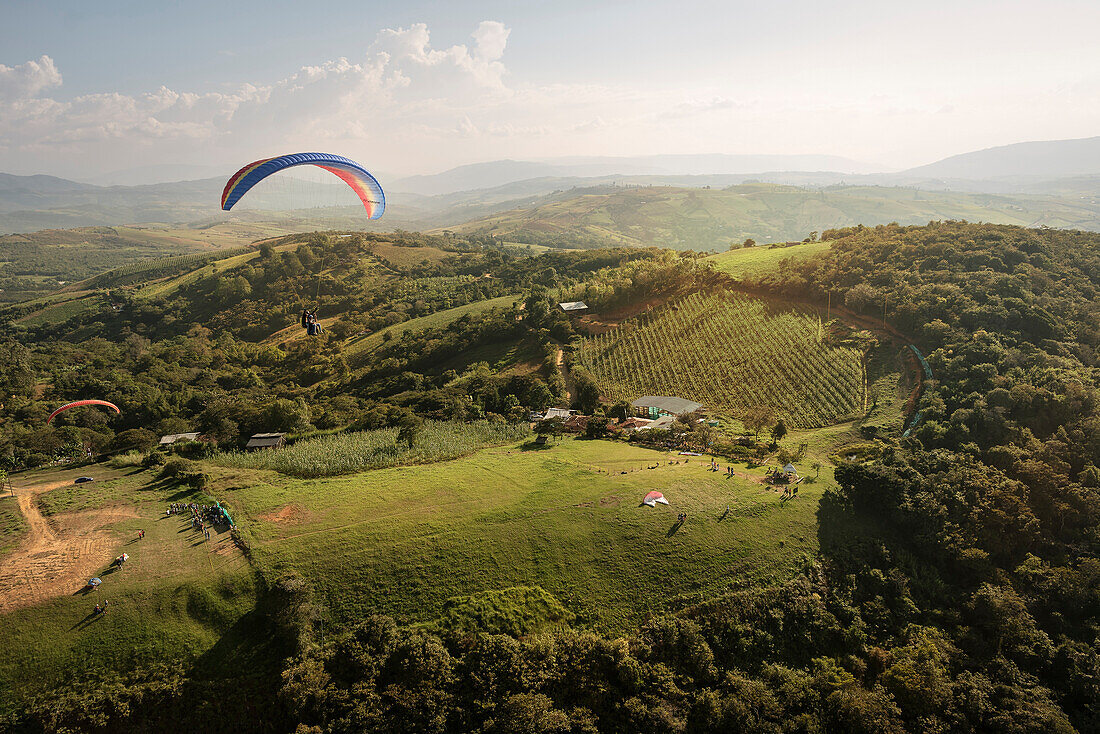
<point x="345" y="453"/>
<point x="733" y="353"/>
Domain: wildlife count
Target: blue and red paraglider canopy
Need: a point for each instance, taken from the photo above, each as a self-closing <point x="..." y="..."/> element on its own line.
<point x="354" y="175"/>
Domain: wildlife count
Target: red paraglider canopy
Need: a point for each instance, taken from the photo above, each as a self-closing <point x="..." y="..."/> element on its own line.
<point x="78" y="403"/>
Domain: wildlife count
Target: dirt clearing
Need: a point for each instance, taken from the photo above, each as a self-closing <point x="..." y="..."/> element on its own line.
<point x="59" y="553"/>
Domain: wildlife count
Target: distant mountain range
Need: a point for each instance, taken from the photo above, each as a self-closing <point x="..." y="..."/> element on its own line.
<point x="713" y="219"/>
<point x="497" y="173"/>
<point x="1062" y="169"/>
<point x="1042" y="159"/>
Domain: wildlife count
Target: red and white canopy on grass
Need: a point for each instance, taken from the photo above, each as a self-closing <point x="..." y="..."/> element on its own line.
<point x="653" y="498"/>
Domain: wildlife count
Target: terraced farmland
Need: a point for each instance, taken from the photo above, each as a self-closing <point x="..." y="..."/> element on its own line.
<point x="733" y="353"/>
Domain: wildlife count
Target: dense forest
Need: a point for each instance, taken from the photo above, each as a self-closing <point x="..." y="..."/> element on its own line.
<point x="958" y="583"/>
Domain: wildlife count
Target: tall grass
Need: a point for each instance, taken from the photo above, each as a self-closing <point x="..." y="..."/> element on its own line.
<point x="347" y="453"/>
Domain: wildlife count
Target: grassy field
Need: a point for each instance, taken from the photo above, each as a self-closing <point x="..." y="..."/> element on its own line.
<point x="12" y="524"/>
<point x="732" y="353"/>
<point x="520" y="538"/>
<point x="431" y="321"/>
<point x="504" y="358"/>
<point x="405" y="256"/>
<point x="753" y="261"/>
<point x="57" y="313"/>
<point x="405" y="540"/>
<point x="178" y="599"/>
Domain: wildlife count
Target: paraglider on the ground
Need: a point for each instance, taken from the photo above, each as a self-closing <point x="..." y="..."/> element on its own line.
<point x="354" y="175"/>
<point x="79" y="403"/>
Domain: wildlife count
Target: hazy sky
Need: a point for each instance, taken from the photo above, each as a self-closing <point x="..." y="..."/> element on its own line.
<point x="418" y="87"/>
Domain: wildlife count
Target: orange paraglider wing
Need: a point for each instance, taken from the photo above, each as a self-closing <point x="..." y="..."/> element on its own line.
<point x="78" y="403"/>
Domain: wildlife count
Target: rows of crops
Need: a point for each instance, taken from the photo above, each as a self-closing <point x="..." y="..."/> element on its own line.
<point x="160" y="267"/>
<point x="346" y="453"/>
<point x="732" y="353"/>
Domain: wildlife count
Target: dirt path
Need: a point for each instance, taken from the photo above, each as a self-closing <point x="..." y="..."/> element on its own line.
<point x="570" y="387"/>
<point x="58" y="554"/>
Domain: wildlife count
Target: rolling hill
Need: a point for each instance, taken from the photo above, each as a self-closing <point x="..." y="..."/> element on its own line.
<point x="712" y="219"/>
<point x="1037" y="159"/>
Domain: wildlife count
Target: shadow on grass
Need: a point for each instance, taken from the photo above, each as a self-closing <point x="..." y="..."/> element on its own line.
<point x="93" y="616"/>
<point x="251" y="646"/>
<point x="674" y="529"/>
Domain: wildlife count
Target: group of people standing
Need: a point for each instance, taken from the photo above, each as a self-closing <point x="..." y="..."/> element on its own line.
<point x="714" y="467"/>
<point x="202" y="516"/>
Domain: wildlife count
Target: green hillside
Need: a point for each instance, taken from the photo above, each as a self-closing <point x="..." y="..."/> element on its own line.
<point x="761" y="259"/>
<point x="706" y="219"/>
<point x="41" y="262"/>
<point x="413" y="560"/>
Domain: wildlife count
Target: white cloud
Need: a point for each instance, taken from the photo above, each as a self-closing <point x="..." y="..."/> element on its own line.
<point x="401" y="104"/>
<point x="28" y="79"/>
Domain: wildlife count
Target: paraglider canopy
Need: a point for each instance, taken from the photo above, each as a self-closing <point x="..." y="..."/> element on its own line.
<point x="79" y="403"/>
<point x="653" y="498"/>
<point x="354" y="175"/>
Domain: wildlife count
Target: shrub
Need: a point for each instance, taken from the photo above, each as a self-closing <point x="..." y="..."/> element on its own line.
<point x="175" y="467"/>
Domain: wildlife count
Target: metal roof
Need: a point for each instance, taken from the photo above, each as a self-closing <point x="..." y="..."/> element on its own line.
<point x="677" y="406"/>
<point x="173" y="437"/>
<point x="262" y="440"/>
<point x="573" y="306"/>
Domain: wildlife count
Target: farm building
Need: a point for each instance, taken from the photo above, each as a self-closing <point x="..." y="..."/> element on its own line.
<point x="661" y="424"/>
<point x="266" y="441"/>
<point x="634" y="424"/>
<point x="572" y="307"/>
<point x="177" y="437"/>
<point x="658" y="405"/>
<point x="562" y="413"/>
<point x="575" y="423"/>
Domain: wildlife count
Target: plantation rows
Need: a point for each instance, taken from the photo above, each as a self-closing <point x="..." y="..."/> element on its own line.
<point x="160" y="267"/>
<point x="731" y="353"/>
<point x="347" y="453"/>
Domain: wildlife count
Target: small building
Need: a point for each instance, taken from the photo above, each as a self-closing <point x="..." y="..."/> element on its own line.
<point x="573" y="307"/>
<point x="658" y="405"/>
<point x="562" y="413"/>
<point x="175" y="438"/>
<point x="661" y="424"/>
<point x="575" y="423"/>
<point x="266" y="441"/>
<point x="634" y="424"/>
